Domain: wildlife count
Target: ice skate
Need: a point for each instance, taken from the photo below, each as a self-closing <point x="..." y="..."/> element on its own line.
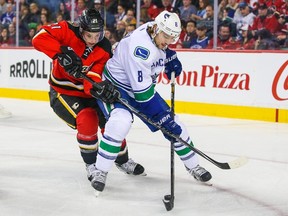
<point x="200" y="174"/>
<point x="131" y="167"/>
<point x="96" y="177"/>
<point x="98" y="180"/>
<point x="91" y="169"/>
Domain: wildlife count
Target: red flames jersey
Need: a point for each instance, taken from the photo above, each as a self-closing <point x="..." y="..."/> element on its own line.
<point x="51" y="37"/>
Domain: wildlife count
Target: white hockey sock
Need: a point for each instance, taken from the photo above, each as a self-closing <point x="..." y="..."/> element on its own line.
<point x="189" y="158"/>
<point x="107" y="153"/>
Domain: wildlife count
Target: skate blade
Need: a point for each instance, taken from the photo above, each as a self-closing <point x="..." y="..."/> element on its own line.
<point x="131" y="174"/>
<point x="143" y="174"/>
<point x="208" y="183"/>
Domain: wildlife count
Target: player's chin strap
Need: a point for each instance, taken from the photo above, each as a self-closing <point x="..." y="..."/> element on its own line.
<point x="222" y="165"/>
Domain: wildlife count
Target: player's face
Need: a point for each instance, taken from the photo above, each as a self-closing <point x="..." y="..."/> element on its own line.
<point x="162" y="40"/>
<point x="91" y="38"/>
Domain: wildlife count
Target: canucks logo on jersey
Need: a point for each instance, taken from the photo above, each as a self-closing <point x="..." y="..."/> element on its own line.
<point x="141" y="52"/>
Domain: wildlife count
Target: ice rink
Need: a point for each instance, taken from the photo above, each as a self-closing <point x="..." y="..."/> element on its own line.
<point x="42" y="173"/>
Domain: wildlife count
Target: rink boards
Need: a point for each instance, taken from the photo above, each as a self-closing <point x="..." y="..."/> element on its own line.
<point x="245" y="85"/>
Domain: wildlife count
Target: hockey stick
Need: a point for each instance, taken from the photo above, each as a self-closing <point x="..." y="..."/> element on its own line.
<point x="222" y="165"/>
<point x="169" y="199"/>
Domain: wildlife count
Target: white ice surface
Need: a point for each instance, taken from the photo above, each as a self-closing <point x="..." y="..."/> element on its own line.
<point x="42" y="173"/>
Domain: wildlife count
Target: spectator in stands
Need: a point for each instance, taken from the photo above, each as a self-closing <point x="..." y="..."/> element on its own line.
<point x="62" y="9"/>
<point x="7" y="17"/>
<point x="59" y="17"/>
<point x="247" y="41"/>
<point x="187" y="10"/>
<point x="12" y="34"/>
<point x="29" y="37"/>
<point x="22" y="2"/>
<point x="129" y="28"/>
<point x="269" y="3"/>
<point x="178" y="3"/>
<point x="222" y="5"/>
<point x="208" y="21"/>
<point x="265" y="21"/>
<point x="201" y="12"/>
<point x="149" y="10"/>
<point x="282" y="20"/>
<point x="98" y="6"/>
<point x="4" y="38"/>
<point x="153" y="10"/>
<point x="120" y="30"/>
<point x="283" y="9"/>
<point x="224" y="39"/>
<point x="23" y="22"/>
<point x="44" y="21"/>
<point x="166" y="5"/>
<point x="110" y="35"/>
<point x="129" y="17"/>
<point x="89" y="3"/>
<point x="245" y="16"/>
<point x="109" y="17"/>
<point x="201" y="41"/>
<point x="231" y="7"/>
<point x="45" y="10"/>
<point x="13" y="2"/>
<point x="51" y="5"/>
<point x="3" y="7"/>
<point x="111" y="6"/>
<point x="127" y="3"/>
<point x="55" y="6"/>
<point x="190" y="33"/>
<point x="34" y="14"/>
<point x="266" y="41"/>
<point x="121" y="11"/>
<point x="80" y="7"/>
<point x="225" y="18"/>
<point x="282" y="35"/>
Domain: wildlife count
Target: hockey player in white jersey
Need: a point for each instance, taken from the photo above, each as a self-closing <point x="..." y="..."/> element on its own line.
<point x="138" y="60"/>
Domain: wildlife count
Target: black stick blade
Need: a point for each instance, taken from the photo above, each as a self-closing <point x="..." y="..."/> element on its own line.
<point x="168" y="202"/>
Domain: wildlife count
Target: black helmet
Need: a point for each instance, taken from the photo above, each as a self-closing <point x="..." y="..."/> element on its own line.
<point x="91" y="21"/>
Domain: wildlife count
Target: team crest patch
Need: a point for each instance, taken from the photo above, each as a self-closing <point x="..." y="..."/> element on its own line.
<point x="141" y="52"/>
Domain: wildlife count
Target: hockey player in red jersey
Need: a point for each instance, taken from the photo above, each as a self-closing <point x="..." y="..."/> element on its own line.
<point x="82" y="47"/>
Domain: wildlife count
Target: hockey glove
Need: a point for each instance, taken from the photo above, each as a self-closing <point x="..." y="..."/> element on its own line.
<point x="172" y="63"/>
<point x="70" y="61"/>
<point x="105" y="91"/>
<point x="165" y="120"/>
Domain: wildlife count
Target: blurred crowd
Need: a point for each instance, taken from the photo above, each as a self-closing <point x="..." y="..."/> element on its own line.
<point x="241" y="24"/>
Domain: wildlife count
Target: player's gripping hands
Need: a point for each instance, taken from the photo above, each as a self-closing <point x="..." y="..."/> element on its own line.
<point x="105" y="91"/>
<point x="172" y="64"/>
<point x="165" y="120"/>
<point x="70" y="61"/>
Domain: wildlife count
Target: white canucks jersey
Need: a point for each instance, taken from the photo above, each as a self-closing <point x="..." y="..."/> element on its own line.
<point x="136" y="64"/>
